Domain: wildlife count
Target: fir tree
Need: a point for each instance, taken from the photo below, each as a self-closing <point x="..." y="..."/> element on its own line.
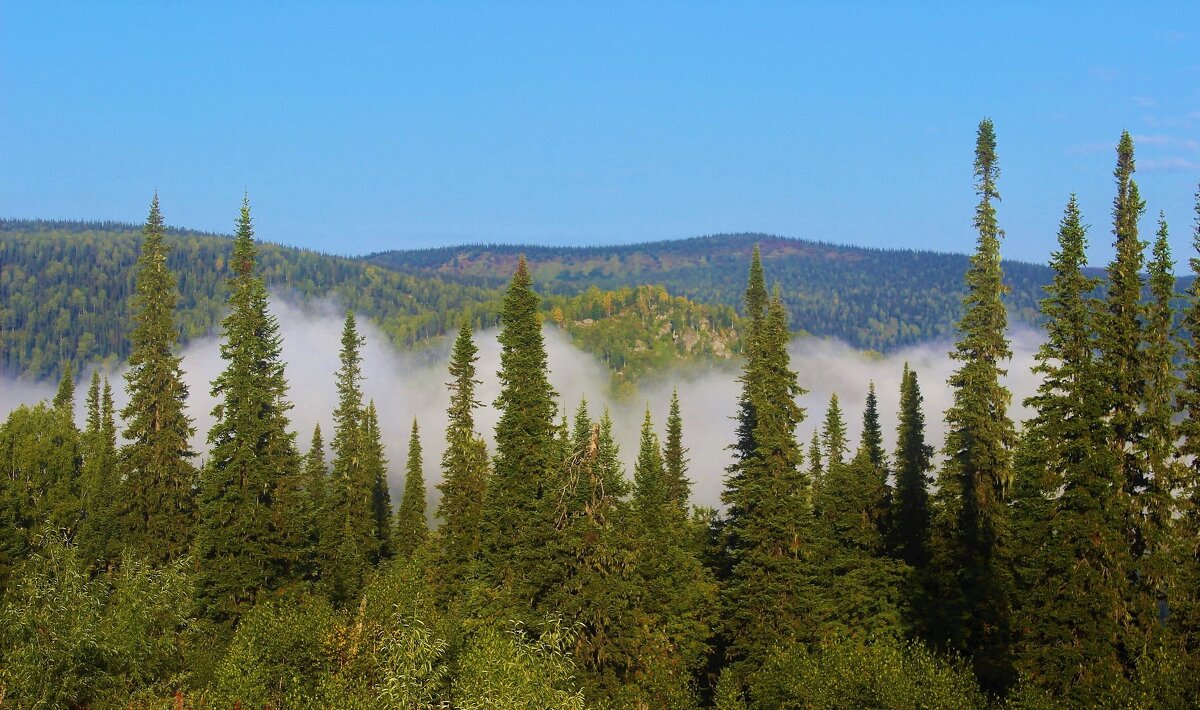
<point x="914" y="460"/>
<point x="464" y="469"/>
<point x="243" y="543"/>
<point x="411" y="526"/>
<point x="515" y="520"/>
<point x="1071" y="611"/>
<point x="159" y="480"/>
<point x="979" y="443"/>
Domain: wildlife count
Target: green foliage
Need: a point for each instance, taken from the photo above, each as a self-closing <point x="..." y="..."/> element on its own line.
<point x="69" y="640"/>
<point x="846" y="673"/>
<point x="411" y="527"/>
<point x="516" y="522"/>
<point x="979" y="443"/>
<point x="910" y="514"/>
<point x="158" y="479"/>
<point x="507" y="669"/>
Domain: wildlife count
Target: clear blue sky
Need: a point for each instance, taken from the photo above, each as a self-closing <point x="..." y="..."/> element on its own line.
<point x="358" y="127"/>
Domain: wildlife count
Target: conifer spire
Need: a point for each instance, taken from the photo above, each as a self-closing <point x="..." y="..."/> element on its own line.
<point x="411" y="527"/>
<point x="159" y="480"/>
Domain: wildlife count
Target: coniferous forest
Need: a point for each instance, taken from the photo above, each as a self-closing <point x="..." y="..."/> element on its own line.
<point x="1053" y="562"/>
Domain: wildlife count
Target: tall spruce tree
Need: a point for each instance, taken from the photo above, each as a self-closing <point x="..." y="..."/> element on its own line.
<point x="676" y="591"/>
<point x="1186" y="602"/>
<point x="375" y="471"/>
<point x="100" y="528"/>
<point x="516" y="524"/>
<point x="1156" y="573"/>
<point x="412" y="529"/>
<point x="872" y="432"/>
<point x="464" y="471"/>
<point x="64" y="399"/>
<point x="158" y="478"/>
<point x="242" y="541"/>
<point x="910" y="514"/>
<point x="675" y="461"/>
<point x="768" y="598"/>
<point x="979" y="444"/>
<point x="352" y="543"/>
<point x="755" y="313"/>
<point x="833" y="434"/>
<point x="316" y="487"/>
<point x="1069" y="508"/>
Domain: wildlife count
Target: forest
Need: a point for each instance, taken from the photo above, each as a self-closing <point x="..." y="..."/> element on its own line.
<point x="1039" y="564"/>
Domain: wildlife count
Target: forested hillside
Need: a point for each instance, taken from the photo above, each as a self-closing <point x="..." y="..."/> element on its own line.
<point x="876" y="299"/>
<point x="66" y="287"/>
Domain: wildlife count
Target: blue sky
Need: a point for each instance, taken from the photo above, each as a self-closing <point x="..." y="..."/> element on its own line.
<point x="358" y="127"/>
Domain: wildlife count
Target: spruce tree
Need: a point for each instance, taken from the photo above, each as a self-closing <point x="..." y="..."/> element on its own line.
<point x="816" y="469"/>
<point x="676" y="591"/>
<point x="914" y="460"/>
<point x="464" y="470"/>
<point x="675" y="461"/>
<point x="515" y="520"/>
<point x="64" y="399"/>
<point x="100" y="529"/>
<point x="158" y="478"/>
<point x="316" y="487"/>
<point x="863" y="591"/>
<point x="1069" y="514"/>
<point x="1156" y="572"/>
<point x="351" y="523"/>
<point x="979" y="444"/>
<point x="375" y="471"/>
<point x="833" y="434"/>
<point x="767" y="600"/>
<point x="411" y="527"/>
<point x="243" y="545"/>
<point x="755" y="313"/>
<point x="1186" y="601"/>
<point x="872" y="433"/>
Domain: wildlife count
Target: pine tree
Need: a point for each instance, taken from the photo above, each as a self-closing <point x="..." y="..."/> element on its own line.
<point x="675" y="460"/>
<point x="351" y="524"/>
<point x="464" y="470"/>
<point x="411" y="527"/>
<point x="515" y="519"/>
<point x="159" y="480"/>
<point x="914" y="460"/>
<point x="979" y="444"/>
<point x="1069" y="507"/>
<point x="243" y="542"/>
<point x="375" y="471"/>
<point x="833" y="435"/>
<point x="767" y="600"/>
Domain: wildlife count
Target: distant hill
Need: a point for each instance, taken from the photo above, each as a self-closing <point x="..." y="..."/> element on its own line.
<point x="65" y="290"/>
<point x="878" y="299"/>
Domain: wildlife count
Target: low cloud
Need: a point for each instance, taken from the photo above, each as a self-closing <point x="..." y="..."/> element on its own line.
<point x="408" y="384"/>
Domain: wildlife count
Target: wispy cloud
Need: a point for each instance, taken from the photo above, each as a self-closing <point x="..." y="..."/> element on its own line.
<point x="1144" y="102"/>
<point x="1168" y="164"/>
